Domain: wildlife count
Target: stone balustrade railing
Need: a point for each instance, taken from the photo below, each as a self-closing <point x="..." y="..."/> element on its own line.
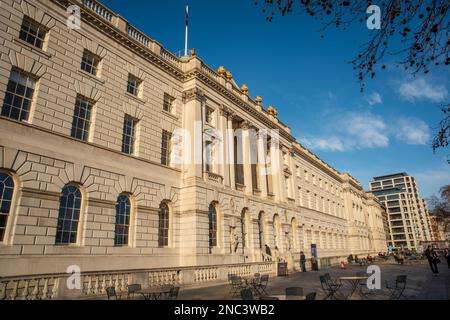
<point x="169" y="56"/>
<point x="205" y="69"/>
<point x="92" y="284"/>
<point x="137" y="35"/>
<point x="117" y="21"/>
<point x="37" y="287"/>
<point x="98" y="9"/>
<point x="214" y="177"/>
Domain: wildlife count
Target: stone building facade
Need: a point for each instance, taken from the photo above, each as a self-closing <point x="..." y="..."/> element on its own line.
<point x="88" y="147"/>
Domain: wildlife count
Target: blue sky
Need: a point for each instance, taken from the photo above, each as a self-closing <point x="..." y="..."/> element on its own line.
<point x="386" y="129"/>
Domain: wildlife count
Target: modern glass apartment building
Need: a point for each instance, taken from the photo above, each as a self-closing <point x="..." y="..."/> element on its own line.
<point x="408" y="215"/>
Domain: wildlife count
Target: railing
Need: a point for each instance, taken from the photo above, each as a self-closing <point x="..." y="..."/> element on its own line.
<point x="94" y="284"/>
<point x="242" y="271"/>
<point x="214" y="177"/>
<point x="208" y="71"/>
<point x="205" y="274"/>
<point x="156" y="278"/>
<point x="169" y="56"/>
<point x="265" y="267"/>
<point x="137" y="35"/>
<point x="29" y="288"/>
<point x="98" y="9"/>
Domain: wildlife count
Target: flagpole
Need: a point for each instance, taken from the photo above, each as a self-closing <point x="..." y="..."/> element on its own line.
<point x="187" y="30"/>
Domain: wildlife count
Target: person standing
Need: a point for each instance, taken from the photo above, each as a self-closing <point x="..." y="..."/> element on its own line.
<point x="268" y="251"/>
<point x="302" y="261"/>
<point x="432" y="259"/>
<point x="447" y="256"/>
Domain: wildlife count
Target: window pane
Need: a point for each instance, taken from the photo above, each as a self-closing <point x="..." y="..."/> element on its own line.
<point x="168" y="102"/>
<point x="128" y="136"/>
<point x="18" y="96"/>
<point x="165" y="147"/>
<point x="81" y="119"/>
<point x="89" y="62"/>
<point x="68" y="216"/>
<point x="32" y="32"/>
<point x="163" y="230"/>
<point x="123" y="207"/>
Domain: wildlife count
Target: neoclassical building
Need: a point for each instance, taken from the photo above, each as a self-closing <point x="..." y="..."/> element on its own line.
<point x="126" y="161"/>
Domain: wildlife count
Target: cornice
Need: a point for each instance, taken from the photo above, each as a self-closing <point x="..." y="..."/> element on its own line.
<point x="197" y="74"/>
<point x="122" y="37"/>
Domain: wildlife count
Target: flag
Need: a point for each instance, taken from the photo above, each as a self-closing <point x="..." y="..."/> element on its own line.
<point x="187" y="15"/>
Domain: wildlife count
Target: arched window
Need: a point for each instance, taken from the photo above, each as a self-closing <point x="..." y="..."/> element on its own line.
<point x="6" y="195"/>
<point x="69" y="215"/>
<point x="123" y="208"/>
<point x="212" y="226"/>
<point x="244" y="228"/>
<point x="261" y="229"/>
<point x="163" y="226"/>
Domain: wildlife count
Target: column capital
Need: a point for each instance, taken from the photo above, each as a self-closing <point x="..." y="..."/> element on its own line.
<point x="193" y="94"/>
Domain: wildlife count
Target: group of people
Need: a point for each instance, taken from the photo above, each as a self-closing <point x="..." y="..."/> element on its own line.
<point x="433" y="258"/>
<point x="351" y="259"/>
<point x="430" y="254"/>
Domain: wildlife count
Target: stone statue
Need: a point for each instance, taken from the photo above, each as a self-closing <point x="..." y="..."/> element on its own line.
<point x="289" y="241"/>
<point x="234" y="240"/>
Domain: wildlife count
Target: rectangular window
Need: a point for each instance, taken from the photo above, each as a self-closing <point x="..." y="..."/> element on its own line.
<point x="89" y="62"/>
<point x="168" y="102"/>
<point x="81" y="119"/>
<point x="165" y="147"/>
<point x="129" y="135"/>
<point x="133" y="85"/>
<point x="32" y="32"/>
<point x="18" y="96"/>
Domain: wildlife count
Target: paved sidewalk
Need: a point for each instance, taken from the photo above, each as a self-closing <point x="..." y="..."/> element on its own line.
<point x="421" y="284"/>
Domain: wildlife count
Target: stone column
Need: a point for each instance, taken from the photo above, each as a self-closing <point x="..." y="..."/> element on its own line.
<point x="230" y="151"/>
<point x="223" y="162"/>
<point x="247" y="158"/>
<point x="193" y="158"/>
<point x="277" y="170"/>
<point x="262" y="174"/>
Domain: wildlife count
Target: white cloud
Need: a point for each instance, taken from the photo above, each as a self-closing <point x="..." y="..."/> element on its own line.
<point x="366" y="129"/>
<point x="327" y="144"/>
<point x="355" y="131"/>
<point x="374" y="98"/>
<point x="421" y="89"/>
<point x="413" y="131"/>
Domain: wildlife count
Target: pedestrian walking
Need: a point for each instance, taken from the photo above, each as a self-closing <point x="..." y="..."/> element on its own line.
<point x="302" y="261"/>
<point x="433" y="259"/>
<point x="447" y="256"/>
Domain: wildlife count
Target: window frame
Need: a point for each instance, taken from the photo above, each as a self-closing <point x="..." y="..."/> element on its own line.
<point x="134" y="88"/>
<point x="79" y="102"/>
<point x="62" y="217"/>
<point x="212" y="227"/>
<point x="166" y="151"/>
<point x="16" y="78"/>
<point x="90" y="67"/>
<point x="164" y="225"/>
<point x="39" y="28"/>
<point x="168" y="103"/>
<point x="127" y="223"/>
<point x="131" y="145"/>
<point x="10" y="214"/>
